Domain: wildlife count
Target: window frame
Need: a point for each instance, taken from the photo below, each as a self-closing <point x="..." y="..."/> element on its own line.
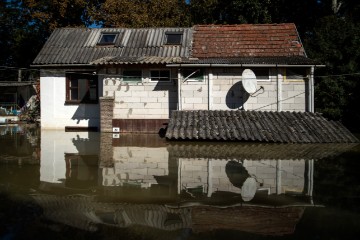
<point x="100" y="43"/>
<point x="159" y="70"/>
<point x="296" y="79"/>
<point x="268" y="79"/>
<point x="193" y="79"/>
<point x="132" y="70"/>
<point x="167" y="34"/>
<point x="76" y="76"/>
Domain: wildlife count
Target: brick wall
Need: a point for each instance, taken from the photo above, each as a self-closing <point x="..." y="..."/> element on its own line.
<point x="106" y="113"/>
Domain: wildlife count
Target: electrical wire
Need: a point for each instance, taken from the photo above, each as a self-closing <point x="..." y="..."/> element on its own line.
<point x="4" y="68"/>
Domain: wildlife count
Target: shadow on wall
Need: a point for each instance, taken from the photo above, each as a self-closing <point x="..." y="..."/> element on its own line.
<point x="236" y="97"/>
<point x="90" y="112"/>
<point x="171" y="89"/>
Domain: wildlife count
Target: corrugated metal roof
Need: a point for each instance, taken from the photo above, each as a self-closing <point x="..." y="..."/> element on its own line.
<point x="284" y="127"/>
<point x="256" y="151"/>
<point x="209" y="44"/>
<point x="80" y="46"/>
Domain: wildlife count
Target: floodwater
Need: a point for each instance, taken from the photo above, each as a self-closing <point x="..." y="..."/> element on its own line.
<point x="86" y="185"/>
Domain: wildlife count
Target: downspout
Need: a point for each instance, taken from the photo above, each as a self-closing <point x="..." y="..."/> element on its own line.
<point x="210" y="80"/>
<point x="279" y="90"/>
<point x="311" y="91"/>
<point x="179" y="90"/>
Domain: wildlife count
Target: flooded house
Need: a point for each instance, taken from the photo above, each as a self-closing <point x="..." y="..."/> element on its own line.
<point x="90" y="180"/>
<point x="131" y="80"/>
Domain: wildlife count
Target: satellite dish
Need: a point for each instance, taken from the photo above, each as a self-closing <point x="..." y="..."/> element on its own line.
<point x="249" y="81"/>
<point x="248" y="189"/>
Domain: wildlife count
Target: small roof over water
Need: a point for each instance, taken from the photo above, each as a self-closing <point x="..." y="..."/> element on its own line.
<point x="257" y="151"/>
<point x="238" y="125"/>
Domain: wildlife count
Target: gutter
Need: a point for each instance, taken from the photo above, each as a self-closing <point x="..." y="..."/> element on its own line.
<point x="63" y="65"/>
<point x="240" y="65"/>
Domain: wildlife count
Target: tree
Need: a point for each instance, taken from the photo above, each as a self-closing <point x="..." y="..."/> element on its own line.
<point x="334" y="43"/>
<point x="230" y="12"/>
<point x="19" y="41"/>
<point x="140" y="13"/>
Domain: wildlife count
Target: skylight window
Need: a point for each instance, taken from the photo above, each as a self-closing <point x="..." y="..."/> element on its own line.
<point x="173" y="38"/>
<point x="107" y="38"/>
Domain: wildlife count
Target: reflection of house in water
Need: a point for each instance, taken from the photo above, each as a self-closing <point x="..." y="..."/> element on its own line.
<point x="69" y="158"/>
<point x="142" y="181"/>
<point x="210" y="170"/>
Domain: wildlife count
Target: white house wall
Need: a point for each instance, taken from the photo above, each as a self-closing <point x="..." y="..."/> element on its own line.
<point x="54" y="113"/>
<point x="145" y="100"/>
<point x="149" y="100"/>
<point x="54" y="145"/>
<point x="228" y="94"/>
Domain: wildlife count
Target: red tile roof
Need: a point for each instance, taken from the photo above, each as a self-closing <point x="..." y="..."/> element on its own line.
<point x="246" y="40"/>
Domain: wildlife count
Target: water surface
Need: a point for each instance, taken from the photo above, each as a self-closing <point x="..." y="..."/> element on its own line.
<point x="86" y="185"/>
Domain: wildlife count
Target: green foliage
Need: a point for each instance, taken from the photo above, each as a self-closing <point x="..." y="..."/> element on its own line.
<point x="230" y="12"/>
<point x="139" y="13"/>
<point x="334" y="42"/>
<point x="25" y="26"/>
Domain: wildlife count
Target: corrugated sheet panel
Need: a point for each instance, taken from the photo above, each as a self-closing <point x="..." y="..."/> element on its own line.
<point x="256" y="151"/>
<point x="282" y="127"/>
<point x="80" y="46"/>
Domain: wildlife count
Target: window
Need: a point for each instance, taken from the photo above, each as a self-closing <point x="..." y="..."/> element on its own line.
<point x="132" y="75"/>
<point x="193" y="74"/>
<point x="81" y="88"/>
<point x="295" y="74"/>
<point x="262" y="74"/>
<point x="107" y="39"/>
<point x="173" y="38"/>
<point x="159" y="76"/>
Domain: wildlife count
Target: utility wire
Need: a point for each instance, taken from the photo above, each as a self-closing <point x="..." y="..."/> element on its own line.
<point x="3" y="68"/>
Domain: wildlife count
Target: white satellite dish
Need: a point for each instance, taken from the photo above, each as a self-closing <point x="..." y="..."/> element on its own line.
<point x="248" y="189"/>
<point x="249" y="81"/>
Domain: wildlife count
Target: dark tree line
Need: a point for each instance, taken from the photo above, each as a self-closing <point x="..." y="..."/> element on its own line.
<point x="330" y="30"/>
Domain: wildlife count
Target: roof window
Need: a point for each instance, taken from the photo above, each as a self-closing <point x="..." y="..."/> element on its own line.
<point x="107" y="38"/>
<point x="173" y="38"/>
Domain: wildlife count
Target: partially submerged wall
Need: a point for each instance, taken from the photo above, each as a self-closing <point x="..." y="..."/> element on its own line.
<point x="55" y="114"/>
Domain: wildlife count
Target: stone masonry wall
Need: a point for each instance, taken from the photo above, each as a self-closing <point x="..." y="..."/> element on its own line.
<point x="228" y="93"/>
<point x="106" y="113"/>
<point x="141" y="100"/>
<point x="156" y="100"/>
<point x="194" y="95"/>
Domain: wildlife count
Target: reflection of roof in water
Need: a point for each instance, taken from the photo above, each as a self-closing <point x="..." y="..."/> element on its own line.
<point x="86" y="213"/>
<point x="83" y="212"/>
<point x="267" y="221"/>
<point x="248" y="151"/>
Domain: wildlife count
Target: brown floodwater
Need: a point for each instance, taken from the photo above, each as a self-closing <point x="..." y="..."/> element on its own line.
<point x="89" y="185"/>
